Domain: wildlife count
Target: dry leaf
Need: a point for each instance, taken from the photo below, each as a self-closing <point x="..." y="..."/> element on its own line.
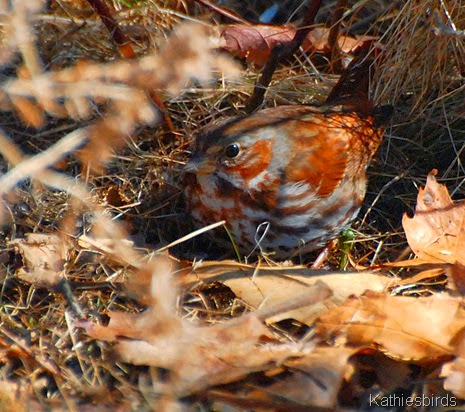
<point x="454" y="371"/>
<point x="405" y="328"/>
<point x="119" y="248"/>
<point x="205" y="356"/>
<point x="198" y="356"/>
<point x="43" y="257"/>
<point x="265" y="286"/>
<point x="437" y="231"/>
<point x="390" y="373"/>
<point x="316" y="378"/>
<point x="256" y="42"/>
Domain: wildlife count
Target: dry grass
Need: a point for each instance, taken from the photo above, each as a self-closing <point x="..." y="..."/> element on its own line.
<point x="84" y="154"/>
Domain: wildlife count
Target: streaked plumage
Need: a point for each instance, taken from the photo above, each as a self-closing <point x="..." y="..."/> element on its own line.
<point x="300" y="173"/>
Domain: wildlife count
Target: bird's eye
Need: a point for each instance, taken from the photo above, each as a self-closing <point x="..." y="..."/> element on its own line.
<point x="232" y="150"/>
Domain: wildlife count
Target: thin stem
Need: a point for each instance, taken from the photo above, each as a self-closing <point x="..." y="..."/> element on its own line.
<point x="279" y="54"/>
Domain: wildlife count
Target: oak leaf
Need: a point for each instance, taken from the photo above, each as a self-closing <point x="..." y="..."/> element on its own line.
<point x="43" y="257"/>
<point x="436" y="233"/>
<point x="262" y="286"/>
<point x="404" y="328"/>
<point x="198" y="356"/>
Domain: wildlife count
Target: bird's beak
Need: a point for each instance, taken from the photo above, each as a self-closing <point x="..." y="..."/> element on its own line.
<point x="199" y="166"/>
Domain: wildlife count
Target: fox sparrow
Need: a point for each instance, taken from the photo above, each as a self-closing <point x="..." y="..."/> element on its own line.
<point x="286" y="179"/>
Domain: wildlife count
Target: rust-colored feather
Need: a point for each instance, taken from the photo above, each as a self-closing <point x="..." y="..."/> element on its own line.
<point x="300" y="171"/>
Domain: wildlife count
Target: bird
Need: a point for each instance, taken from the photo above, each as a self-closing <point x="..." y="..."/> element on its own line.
<point x="288" y="179"/>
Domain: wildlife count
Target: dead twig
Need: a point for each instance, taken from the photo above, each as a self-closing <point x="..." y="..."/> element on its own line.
<point x="333" y="36"/>
<point x="127" y="51"/>
<point x="279" y="54"/>
<point x="117" y="35"/>
<point x="224" y="12"/>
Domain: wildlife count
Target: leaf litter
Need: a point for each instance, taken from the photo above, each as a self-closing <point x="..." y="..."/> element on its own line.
<point x="138" y="311"/>
<point x="198" y="356"/>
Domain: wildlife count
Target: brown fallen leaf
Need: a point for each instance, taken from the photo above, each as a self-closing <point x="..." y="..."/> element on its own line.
<point x="454" y="371"/>
<point x="255" y="43"/>
<point x="314" y="382"/>
<point x="205" y="356"/>
<point x="404" y="328"/>
<point x="43" y="257"/>
<point x="309" y="383"/>
<point x="437" y="231"/>
<point x="263" y="286"/>
<point x="316" y="378"/>
<point x="118" y="249"/>
<point x="198" y="356"/>
<point x="390" y="373"/>
<point x="454" y="374"/>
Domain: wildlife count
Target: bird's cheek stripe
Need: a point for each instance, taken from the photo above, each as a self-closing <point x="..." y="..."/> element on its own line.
<point x="255" y="161"/>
